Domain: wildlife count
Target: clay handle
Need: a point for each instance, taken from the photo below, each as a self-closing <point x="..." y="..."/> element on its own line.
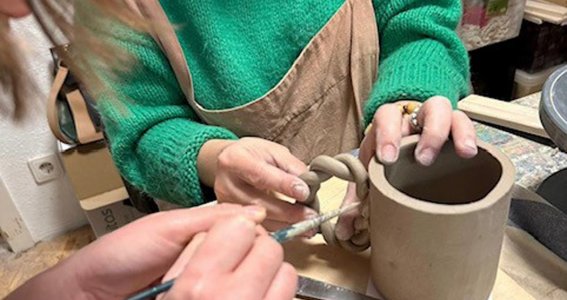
<point x="346" y="167"/>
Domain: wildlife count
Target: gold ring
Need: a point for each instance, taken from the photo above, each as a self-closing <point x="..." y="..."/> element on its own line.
<point x="413" y="119"/>
<point x="410" y="107"/>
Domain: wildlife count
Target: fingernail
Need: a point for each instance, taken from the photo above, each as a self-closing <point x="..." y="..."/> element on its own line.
<point x="388" y="154"/>
<point x="470" y="148"/>
<point x="426" y="156"/>
<point x="301" y="190"/>
<point x="256" y="212"/>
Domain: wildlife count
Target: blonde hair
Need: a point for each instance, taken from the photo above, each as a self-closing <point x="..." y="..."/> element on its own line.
<point x="89" y="48"/>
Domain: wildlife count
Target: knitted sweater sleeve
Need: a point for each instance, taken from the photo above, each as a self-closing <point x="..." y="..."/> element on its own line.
<point x="154" y="134"/>
<point x="421" y="54"/>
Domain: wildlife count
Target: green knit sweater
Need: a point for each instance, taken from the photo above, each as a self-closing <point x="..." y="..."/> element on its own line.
<point x="237" y="50"/>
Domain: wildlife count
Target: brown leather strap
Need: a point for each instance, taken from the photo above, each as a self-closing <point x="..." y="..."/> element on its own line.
<point x="52" y="115"/>
<point x="84" y="127"/>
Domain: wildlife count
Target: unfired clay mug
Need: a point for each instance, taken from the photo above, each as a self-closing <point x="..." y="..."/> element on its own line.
<point x="436" y="232"/>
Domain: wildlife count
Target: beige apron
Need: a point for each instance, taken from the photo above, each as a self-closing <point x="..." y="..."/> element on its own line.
<point x="316" y="108"/>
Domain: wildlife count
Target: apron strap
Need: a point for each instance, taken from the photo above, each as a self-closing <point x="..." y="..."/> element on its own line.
<point x="52" y="115"/>
<point x="164" y="35"/>
<point x="84" y="127"/>
<point x="86" y="131"/>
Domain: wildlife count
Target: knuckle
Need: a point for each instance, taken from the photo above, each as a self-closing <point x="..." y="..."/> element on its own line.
<point x="255" y="177"/>
<point x="438" y="100"/>
<point x="280" y="148"/>
<point x="198" y="289"/>
<point x="376" y="120"/>
<point x="272" y="250"/>
<point x="224" y="160"/>
<point x="230" y="155"/>
<point x="433" y="135"/>
<point x="223" y="194"/>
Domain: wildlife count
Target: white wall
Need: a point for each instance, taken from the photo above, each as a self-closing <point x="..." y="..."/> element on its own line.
<point x="50" y="208"/>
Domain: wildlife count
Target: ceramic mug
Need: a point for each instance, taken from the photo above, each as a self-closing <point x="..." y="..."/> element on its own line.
<point x="436" y="232"/>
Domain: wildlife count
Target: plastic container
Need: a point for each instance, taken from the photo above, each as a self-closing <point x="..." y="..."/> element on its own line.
<point x="486" y="22"/>
<point x="526" y="84"/>
<point x="541" y="46"/>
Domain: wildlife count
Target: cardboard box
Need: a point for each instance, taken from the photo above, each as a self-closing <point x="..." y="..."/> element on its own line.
<point x="91" y="170"/>
<point x="98" y="186"/>
<point x="109" y="211"/>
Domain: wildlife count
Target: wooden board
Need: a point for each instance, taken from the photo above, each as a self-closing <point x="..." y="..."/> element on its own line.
<point x="18" y="268"/>
<point x="559" y="2"/>
<point x="505" y="114"/>
<point x="546" y="11"/>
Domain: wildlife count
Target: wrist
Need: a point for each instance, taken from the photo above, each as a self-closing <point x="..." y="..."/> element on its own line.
<point x="58" y="282"/>
<point x="208" y="157"/>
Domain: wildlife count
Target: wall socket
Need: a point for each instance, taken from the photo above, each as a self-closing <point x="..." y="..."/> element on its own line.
<point x="45" y="168"/>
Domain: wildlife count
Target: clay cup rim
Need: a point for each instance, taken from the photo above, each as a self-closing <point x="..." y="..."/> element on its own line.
<point x="503" y="186"/>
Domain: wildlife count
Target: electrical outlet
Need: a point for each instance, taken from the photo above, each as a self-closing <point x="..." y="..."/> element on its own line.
<point x="45" y="168"/>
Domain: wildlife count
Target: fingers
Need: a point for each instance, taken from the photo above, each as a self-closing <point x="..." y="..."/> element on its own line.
<point x="284" y="285"/>
<point x="184" y="258"/>
<point x="181" y="225"/>
<point x="345" y="224"/>
<point x="368" y="148"/>
<point x="260" y="266"/>
<point x="435" y="115"/>
<point x="284" y="160"/>
<point x="276" y="209"/>
<point x="464" y="135"/>
<point x="224" y="248"/>
<point x="438" y="120"/>
<point x="233" y="261"/>
<point x="219" y="253"/>
<point x="387" y="124"/>
<point x="259" y="173"/>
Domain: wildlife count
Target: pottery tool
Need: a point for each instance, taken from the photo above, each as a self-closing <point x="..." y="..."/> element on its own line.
<point x="281" y="236"/>
<point x="311" y="289"/>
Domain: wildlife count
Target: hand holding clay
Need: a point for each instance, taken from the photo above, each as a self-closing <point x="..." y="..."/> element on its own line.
<point x="251" y="169"/>
<point x="437" y="119"/>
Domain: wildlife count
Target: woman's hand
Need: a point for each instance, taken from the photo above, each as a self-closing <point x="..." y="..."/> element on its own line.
<point x="250" y="170"/>
<point x="245" y="266"/>
<point x="215" y="250"/>
<point x="437" y="119"/>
